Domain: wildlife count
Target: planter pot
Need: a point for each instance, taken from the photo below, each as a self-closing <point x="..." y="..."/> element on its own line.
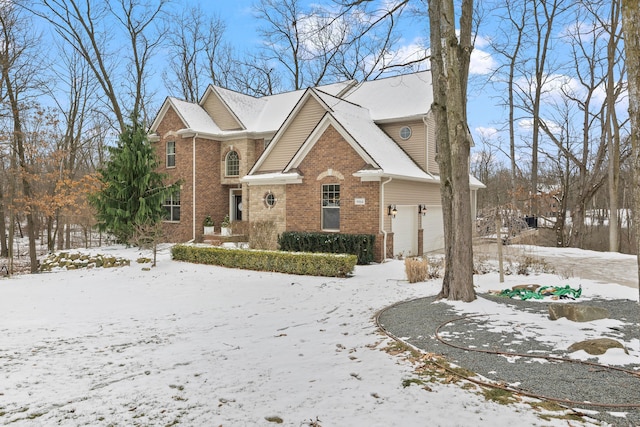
<point x="209" y="229"/>
<point x="225" y="231"/>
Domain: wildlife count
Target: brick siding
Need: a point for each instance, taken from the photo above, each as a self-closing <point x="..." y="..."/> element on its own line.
<point x="304" y="210"/>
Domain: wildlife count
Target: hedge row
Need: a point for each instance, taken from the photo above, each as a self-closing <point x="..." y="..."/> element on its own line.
<point x="283" y="262"/>
<point x="361" y="245"/>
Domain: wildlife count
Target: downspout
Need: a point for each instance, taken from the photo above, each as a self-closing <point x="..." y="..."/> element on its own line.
<point x="426" y="143"/>
<point x="384" y="232"/>
<point x="193" y="189"/>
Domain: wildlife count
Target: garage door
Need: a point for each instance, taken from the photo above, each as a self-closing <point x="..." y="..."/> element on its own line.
<point x="405" y="231"/>
<point x="433" y="237"/>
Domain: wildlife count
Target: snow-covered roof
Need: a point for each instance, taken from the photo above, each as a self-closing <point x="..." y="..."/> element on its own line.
<point x="194" y="116"/>
<point x="407" y="95"/>
<point x="386" y="99"/>
<point x="386" y="154"/>
<point x="266" y="114"/>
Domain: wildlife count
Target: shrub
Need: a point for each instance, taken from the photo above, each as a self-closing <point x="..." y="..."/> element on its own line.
<point x="262" y="235"/>
<point x="311" y="264"/>
<point x="361" y="245"/>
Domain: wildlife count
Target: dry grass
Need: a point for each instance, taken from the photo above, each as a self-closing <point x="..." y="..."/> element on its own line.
<point x="416" y="269"/>
<point x="419" y="269"/>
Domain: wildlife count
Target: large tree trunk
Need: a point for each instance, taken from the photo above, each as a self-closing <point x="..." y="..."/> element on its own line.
<point x="631" y="30"/>
<point x="612" y="131"/>
<point x="450" y="69"/>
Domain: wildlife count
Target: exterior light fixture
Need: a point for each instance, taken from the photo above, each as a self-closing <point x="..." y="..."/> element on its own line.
<point x="422" y="210"/>
<point x="392" y="211"/>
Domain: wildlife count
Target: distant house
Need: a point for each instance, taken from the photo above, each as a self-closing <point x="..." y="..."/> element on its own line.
<point x="348" y="157"/>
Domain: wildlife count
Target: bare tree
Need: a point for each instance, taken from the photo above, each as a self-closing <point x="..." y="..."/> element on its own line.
<point x="545" y="15"/>
<point x="582" y="128"/>
<point x="311" y="46"/>
<point x="510" y="45"/>
<point x="194" y="53"/>
<point x="611" y="127"/>
<point x="631" y="31"/>
<point x="76" y="101"/>
<point x="19" y="65"/>
<point x="91" y="26"/>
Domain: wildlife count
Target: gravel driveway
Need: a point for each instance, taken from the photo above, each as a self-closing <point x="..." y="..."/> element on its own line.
<point x="416" y="322"/>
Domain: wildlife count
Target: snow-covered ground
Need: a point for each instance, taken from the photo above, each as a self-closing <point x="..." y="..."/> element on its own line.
<point x="195" y="345"/>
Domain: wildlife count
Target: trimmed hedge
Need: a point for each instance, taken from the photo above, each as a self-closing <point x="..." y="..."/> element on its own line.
<point x="361" y="245"/>
<point x="310" y="264"/>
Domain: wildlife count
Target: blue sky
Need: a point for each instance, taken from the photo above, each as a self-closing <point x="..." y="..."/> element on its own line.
<point x="242" y="33"/>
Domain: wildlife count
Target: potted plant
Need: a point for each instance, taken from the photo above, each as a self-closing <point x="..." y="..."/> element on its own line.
<point x="225" y="226"/>
<point x="209" y="225"/>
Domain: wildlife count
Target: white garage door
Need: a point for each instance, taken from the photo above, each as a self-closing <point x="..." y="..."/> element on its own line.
<point x="405" y="231"/>
<point x="433" y="237"/>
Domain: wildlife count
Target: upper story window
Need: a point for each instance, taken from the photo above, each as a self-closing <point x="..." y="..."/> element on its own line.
<point x="171" y="154"/>
<point x="331" y="207"/>
<point x="172" y="207"/>
<point x="232" y="164"/>
<point x="405" y="132"/>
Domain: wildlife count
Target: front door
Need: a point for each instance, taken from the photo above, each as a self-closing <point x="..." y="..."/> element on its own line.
<point x="237" y="207"/>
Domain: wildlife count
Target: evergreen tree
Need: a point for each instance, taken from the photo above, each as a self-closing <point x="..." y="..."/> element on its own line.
<point x="132" y="190"/>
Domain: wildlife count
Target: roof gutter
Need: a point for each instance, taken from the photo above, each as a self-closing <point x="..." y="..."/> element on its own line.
<point x="378" y="175"/>
<point x="229" y="135"/>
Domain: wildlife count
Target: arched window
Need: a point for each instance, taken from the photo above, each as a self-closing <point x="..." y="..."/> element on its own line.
<point x="232" y="162"/>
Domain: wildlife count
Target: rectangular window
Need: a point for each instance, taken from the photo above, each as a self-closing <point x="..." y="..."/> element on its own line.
<point x="172" y="207"/>
<point x="331" y="207"/>
<point x="171" y="154"/>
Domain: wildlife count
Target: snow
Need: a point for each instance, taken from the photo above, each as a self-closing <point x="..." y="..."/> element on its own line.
<point x="203" y="345"/>
<point x="194" y="116"/>
<point x="407" y="95"/>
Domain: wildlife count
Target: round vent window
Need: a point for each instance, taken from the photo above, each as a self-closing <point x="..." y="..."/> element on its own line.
<point x="405" y="132"/>
<point x="270" y="200"/>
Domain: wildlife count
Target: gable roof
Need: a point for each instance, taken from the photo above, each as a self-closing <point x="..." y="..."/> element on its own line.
<point x="383" y="156"/>
<point x="192" y="116"/>
<point x="403" y="96"/>
<point x="358" y="124"/>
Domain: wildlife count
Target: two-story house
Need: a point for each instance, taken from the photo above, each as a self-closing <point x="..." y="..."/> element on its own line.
<point x="348" y="157"/>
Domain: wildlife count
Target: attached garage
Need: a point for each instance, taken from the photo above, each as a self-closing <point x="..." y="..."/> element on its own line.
<point x="433" y="234"/>
<point x="405" y="231"/>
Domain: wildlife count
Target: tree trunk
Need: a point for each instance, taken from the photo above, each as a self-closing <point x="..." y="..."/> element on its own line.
<point x="449" y="69"/>
<point x="631" y="30"/>
<point x="612" y="130"/>
<point x="4" y="251"/>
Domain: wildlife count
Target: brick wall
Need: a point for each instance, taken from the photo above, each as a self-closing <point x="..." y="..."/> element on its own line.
<point x="333" y="161"/>
<point x="211" y="188"/>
